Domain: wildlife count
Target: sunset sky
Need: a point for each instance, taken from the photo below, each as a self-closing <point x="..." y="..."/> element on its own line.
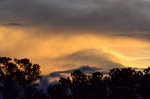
<point x="66" y="34"/>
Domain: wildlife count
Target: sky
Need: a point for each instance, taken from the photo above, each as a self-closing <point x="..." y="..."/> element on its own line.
<point x="62" y="35"/>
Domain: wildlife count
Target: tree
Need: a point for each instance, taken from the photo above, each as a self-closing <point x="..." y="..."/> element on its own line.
<point x="79" y="78"/>
<point x="60" y="91"/>
<point x="17" y="77"/>
<point x="80" y="86"/>
<point x="122" y="83"/>
<point x="97" y="77"/>
<point x="146" y="84"/>
<point x="97" y="86"/>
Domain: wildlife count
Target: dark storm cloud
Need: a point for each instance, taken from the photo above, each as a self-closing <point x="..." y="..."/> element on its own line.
<point x="121" y="17"/>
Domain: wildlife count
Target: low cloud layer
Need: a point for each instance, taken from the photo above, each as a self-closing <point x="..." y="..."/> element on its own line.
<point x="84" y="69"/>
<point x="54" y="76"/>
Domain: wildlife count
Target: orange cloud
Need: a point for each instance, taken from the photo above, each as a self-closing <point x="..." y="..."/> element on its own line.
<point x="25" y="42"/>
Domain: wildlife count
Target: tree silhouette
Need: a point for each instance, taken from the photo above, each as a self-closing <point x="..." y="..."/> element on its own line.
<point x="78" y="78"/>
<point x="97" y="86"/>
<point x="79" y="85"/>
<point x="17" y="77"/>
<point x="146" y="84"/>
<point x="60" y="91"/>
<point x="123" y="83"/>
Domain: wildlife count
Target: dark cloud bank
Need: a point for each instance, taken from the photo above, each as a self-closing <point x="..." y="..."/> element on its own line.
<point x="84" y="69"/>
<point x="44" y="83"/>
<point x="120" y="17"/>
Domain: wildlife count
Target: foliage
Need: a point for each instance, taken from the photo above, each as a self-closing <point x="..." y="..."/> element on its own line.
<point x="19" y="80"/>
<point x="18" y="77"/>
<point x="124" y="83"/>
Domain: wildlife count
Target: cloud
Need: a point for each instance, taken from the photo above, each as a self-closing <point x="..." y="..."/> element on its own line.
<point x="84" y="69"/>
<point x="14" y="24"/>
<point x="144" y="59"/>
<point x="114" y="17"/>
<point x="92" y="57"/>
<point x="44" y="82"/>
<point x="61" y="52"/>
<point x="54" y="76"/>
<point x="87" y="61"/>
